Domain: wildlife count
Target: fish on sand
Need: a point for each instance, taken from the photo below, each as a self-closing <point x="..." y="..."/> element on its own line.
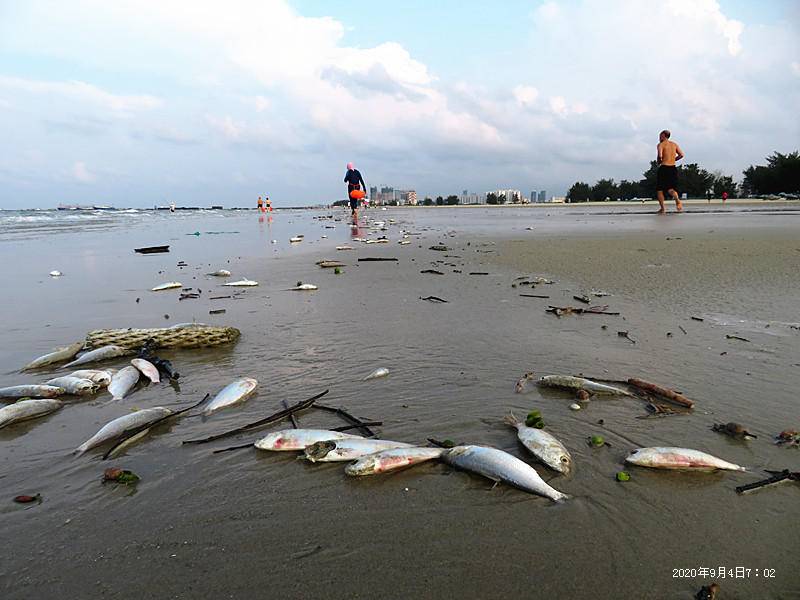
<point x="99" y="354"/>
<point x="348" y="449"/>
<point x="542" y="445"/>
<point x="32" y="391"/>
<point x="679" y="458"/>
<point x="147" y="369"/>
<point x="220" y="273"/>
<point x="27" y="409"/>
<point x="233" y="393"/>
<point x="241" y="283"/>
<point x="123" y="381"/>
<point x="304" y="287"/>
<point x="170" y="285"/>
<point x="391" y="460"/>
<point x="299" y="439"/>
<point x="121" y="425"/>
<point x="100" y="377"/>
<point x="59" y="355"/>
<point x="78" y="386"/>
<point x="580" y="383"/>
<point x="501" y="466"/>
<point x="381" y="372"/>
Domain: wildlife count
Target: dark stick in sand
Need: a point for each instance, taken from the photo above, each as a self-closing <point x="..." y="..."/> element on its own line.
<point x="376" y="259"/>
<point x="534" y="296"/>
<point x="347" y="417"/>
<point x="433" y="299"/>
<point x="291" y="415"/>
<point x="667" y="393"/>
<point x="266" y="421"/>
<point x="129" y="434"/>
<point x="736" y="337"/>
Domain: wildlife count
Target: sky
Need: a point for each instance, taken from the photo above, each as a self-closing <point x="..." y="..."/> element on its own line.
<point x="217" y="102"/>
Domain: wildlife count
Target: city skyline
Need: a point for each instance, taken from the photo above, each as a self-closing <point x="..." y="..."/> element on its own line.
<point x="142" y="103"/>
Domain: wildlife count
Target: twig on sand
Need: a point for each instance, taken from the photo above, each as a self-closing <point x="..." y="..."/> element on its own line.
<point x="736" y="337"/>
<point x="571" y="310"/>
<point x="667" y="393"/>
<point x="291" y="415"/>
<point x="137" y="430"/>
<point x="377" y="259"/>
<point x="534" y="296"/>
<point x="584" y="299"/>
<point x="265" y="421"/>
<point x="348" y="417"/>
<point x="433" y="299"/>
<point x="682" y="329"/>
<point x="349" y="427"/>
<point x="696" y="319"/>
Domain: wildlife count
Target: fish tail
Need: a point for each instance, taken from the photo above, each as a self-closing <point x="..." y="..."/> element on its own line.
<point x="510" y="419"/>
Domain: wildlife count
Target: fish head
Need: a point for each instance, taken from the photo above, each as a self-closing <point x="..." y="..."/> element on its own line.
<point x="637" y="457"/>
<point x="368" y="465"/>
<point x="564" y="464"/>
<point x="319" y="450"/>
<point x="272" y="441"/>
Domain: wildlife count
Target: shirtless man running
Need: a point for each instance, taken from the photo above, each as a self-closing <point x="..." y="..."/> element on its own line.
<point x="667" y="177"/>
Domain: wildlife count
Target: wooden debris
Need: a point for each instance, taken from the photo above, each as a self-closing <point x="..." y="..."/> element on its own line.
<point x="434" y="299"/>
<point x="682" y="329"/>
<point x="667" y="393"/>
<point x="626" y="335"/>
<point x="432" y="272"/>
<point x="571" y="310"/>
<point x="151" y="249"/>
<point x="736" y="337"/>
<point x="777" y="477"/>
<point x="478" y="273"/>
<point x="696" y="319"/>
<point x="330" y="264"/>
<point x="377" y="259"/>
<point x="534" y="296"/>
<point x="348" y="417"/>
<point x="584" y="299"/>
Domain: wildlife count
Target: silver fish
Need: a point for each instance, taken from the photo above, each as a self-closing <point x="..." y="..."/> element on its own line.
<point x="170" y="285"/>
<point x="123" y="381"/>
<point x="100" y="377"/>
<point x="348" y="449"/>
<point x="391" y="460"/>
<point x="231" y="394"/>
<point x="147" y="369"/>
<point x="27" y="409"/>
<point x="56" y="356"/>
<point x="299" y="439"/>
<point x="580" y="383"/>
<point x="102" y="353"/>
<point x="381" y="372"/>
<point x="522" y="384"/>
<point x="120" y="425"/>
<point x="78" y="386"/>
<point x="220" y="273"/>
<point x="542" y="445"/>
<point x="501" y="466"/>
<point x="679" y="458"/>
<point x="31" y="391"/>
<point x="241" y="283"/>
<point x="304" y="287"/>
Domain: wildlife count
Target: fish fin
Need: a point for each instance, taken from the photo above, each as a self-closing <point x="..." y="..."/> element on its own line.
<point x="510" y="419"/>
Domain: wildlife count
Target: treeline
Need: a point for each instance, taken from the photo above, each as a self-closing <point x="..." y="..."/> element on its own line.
<point x="781" y="174"/>
<point x="440" y="201"/>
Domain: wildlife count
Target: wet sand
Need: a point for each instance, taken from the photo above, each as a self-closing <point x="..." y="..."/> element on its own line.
<point x="248" y="523"/>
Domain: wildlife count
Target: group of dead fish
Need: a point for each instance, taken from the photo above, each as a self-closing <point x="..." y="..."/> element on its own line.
<point x="367" y="456"/>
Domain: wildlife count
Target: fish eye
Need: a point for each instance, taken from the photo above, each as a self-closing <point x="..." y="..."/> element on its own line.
<point x="564" y="459"/>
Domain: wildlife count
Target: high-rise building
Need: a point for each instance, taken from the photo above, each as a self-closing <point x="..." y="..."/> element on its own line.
<point x="542" y="195"/>
<point x="412" y="197"/>
<point x="373" y="193"/>
<point x="533" y="196"/>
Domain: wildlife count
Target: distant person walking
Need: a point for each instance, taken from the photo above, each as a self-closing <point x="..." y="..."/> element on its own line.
<point x="354" y="182"/>
<point x="269" y="204"/>
<point x="724" y="197"/>
<point x="260" y="205"/>
<point x="667" y="177"/>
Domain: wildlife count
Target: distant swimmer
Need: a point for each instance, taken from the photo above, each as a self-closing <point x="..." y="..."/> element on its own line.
<point x="269" y="204"/>
<point x="355" y="182"/>
<point x="260" y="205"/>
<point x="667" y="177"/>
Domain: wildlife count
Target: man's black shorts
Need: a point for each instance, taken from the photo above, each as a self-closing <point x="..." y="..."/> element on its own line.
<point x="667" y="178"/>
<point x="353" y="204"/>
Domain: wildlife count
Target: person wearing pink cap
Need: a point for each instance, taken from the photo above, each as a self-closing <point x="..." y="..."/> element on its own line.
<point x="354" y="182"/>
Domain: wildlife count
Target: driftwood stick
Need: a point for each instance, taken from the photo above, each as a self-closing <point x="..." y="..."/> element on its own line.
<point x="349" y="427"/>
<point x="667" y="393"/>
<point x="534" y="296"/>
<point x="136" y="430"/>
<point x="291" y="415"/>
<point x="242" y="447"/>
<point x="266" y="421"/>
<point x="347" y="417"/>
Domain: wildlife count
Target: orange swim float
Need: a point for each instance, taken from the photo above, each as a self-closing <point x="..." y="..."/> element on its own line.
<point x="357" y="194"/>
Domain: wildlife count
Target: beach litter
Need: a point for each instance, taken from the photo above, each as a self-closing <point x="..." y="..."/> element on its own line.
<point x="217" y="311"/>
<point x="733" y="430"/>
<point x="439" y="248"/>
<point x="736" y="337"/>
<point x="170" y="285"/>
<point x="434" y="299"/>
<point x="626" y="335"/>
<point x="151" y="249"/>
<point x="26" y="499"/>
<point x="775" y="477"/>
<point x="377" y="259"/>
<point x="571" y="310"/>
<point x="574" y="406"/>
<point x="789" y="437"/>
<point x="585" y="299"/>
<point x="117" y="475"/>
<point x="431" y="272"/>
<point x="330" y="264"/>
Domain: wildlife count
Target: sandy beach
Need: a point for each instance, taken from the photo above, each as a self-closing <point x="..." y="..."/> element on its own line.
<point x="247" y="523"/>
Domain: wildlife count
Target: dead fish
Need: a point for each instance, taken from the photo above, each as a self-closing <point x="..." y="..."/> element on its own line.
<point x="220" y="273"/>
<point x="147" y="369"/>
<point x="123" y="424"/>
<point x="299" y="439"/>
<point x="296" y="239"/>
<point x="391" y="460"/>
<point x="58" y="355"/>
<point x="579" y="383"/>
<point x="100" y="377"/>
<point x="344" y="247"/>
<point x="171" y="285"/>
<point x="78" y="386"/>
<point x="231" y="394"/>
<point x="522" y="384"/>
<point x="103" y="353"/>
<point x="241" y="283"/>
<point x="381" y="372"/>
<point x="679" y="458"/>
<point x="542" y="445"/>
<point x="123" y="381"/>
<point x="31" y="391"/>
<point x="348" y="449"/>
<point x="303" y="287"/>
<point x="56" y="273"/>
<point x="27" y="409"/>
<point x="501" y="466"/>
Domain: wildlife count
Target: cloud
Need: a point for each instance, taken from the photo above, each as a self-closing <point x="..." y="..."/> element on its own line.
<point x="82" y="174"/>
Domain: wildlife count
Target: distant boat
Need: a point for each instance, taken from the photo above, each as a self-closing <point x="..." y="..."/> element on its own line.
<point x="103" y="207"/>
<point x="213" y="207"/>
